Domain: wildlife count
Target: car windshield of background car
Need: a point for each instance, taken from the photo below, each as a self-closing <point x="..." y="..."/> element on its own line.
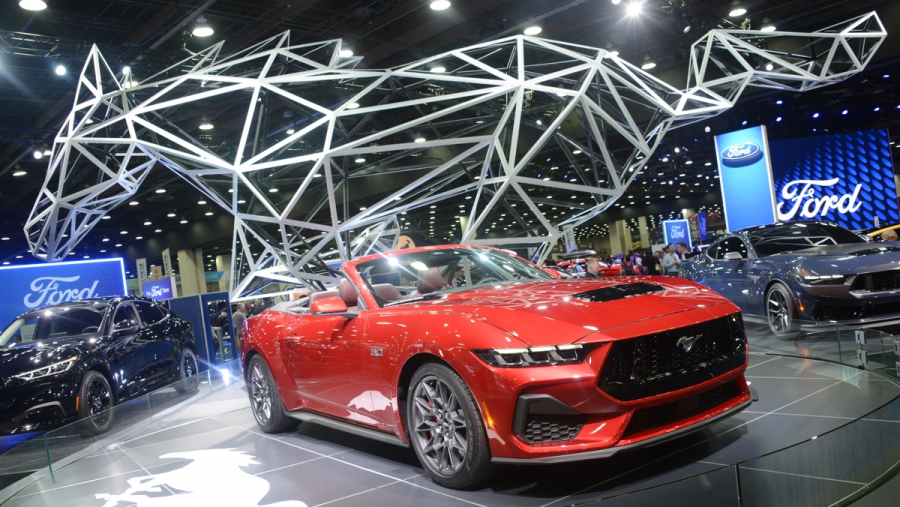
<point x="52" y="324"/>
<point x="800" y="237"/>
<point x="459" y="268"/>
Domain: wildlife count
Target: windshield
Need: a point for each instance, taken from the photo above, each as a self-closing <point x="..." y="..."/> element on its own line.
<point x="798" y="236"/>
<point x="434" y="272"/>
<point x="54" y="323"/>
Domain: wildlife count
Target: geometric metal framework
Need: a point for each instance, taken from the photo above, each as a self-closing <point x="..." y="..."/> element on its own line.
<point x="320" y="161"/>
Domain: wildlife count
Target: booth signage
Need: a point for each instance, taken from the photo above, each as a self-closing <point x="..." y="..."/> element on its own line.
<point x="163" y="288"/>
<point x="745" y="174"/>
<point x="702" y="231"/>
<point x="677" y="231"/>
<point x="845" y="178"/>
<point x="34" y="286"/>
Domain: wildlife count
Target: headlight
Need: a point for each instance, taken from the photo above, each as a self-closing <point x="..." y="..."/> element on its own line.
<point x="534" y="356"/>
<point x="807" y="277"/>
<point x="52" y="369"/>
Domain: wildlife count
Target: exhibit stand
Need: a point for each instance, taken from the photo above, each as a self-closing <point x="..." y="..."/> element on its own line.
<point x="215" y="344"/>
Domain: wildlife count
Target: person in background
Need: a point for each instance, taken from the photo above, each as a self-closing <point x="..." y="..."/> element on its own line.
<point x="672" y="262"/>
<point x="593" y="268"/>
<point x="638" y="262"/>
<point x="237" y="320"/>
<point x="628" y="267"/>
<point x="651" y="263"/>
<point x="890" y="235"/>
<point x="618" y="259"/>
<point x="576" y="268"/>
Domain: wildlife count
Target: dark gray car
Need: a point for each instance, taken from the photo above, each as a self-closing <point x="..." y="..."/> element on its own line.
<point x="803" y="275"/>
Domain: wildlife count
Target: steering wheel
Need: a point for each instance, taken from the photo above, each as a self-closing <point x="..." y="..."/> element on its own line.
<point x="489" y="279"/>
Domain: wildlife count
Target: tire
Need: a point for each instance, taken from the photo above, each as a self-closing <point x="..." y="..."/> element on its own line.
<point x="187" y="370"/>
<point x="265" y="402"/>
<point x="465" y="460"/>
<point x="781" y="311"/>
<point x="95" y="398"/>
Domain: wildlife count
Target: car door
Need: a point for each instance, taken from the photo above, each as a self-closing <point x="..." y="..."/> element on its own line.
<point x="123" y="350"/>
<point x="732" y="277"/>
<point x="156" y="339"/>
<point x="324" y="353"/>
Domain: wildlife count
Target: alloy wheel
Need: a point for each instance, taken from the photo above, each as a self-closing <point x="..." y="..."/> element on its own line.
<point x="260" y="394"/>
<point x="439" y="425"/>
<point x="778" y="311"/>
<point x="190" y="366"/>
<point x="99" y="400"/>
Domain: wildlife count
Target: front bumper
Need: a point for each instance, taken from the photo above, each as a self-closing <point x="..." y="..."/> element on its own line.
<point x="827" y="311"/>
<point x="39" y="405"/>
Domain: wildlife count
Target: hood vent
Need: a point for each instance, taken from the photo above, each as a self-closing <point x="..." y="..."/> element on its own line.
<point x="618" y="292"/>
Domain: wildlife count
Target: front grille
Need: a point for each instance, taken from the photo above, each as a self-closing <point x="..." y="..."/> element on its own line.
<point x="878" y="282"/>
<point x="669" y="413"/>
<point x="664" y="362"/>
<point x="552" y="428"/>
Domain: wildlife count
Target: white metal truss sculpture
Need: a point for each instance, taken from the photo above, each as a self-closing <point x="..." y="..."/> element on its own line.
<point x="291" y="139"/>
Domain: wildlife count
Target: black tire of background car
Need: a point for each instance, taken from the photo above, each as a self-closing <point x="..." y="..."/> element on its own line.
<point x="187" y="369"/>
<point x="477" y="467"/>
<point x="95" y="394"/>
<point x="277" y="422"/>
<point x="790" y="306"/>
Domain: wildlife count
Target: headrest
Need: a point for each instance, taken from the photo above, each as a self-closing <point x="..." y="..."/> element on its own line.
<point x="347" y="293"/>
<point x="387" y="291"/>
<point x="430" y="280"/>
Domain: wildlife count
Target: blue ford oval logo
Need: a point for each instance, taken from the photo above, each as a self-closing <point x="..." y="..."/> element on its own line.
<point x="741" y="154"/>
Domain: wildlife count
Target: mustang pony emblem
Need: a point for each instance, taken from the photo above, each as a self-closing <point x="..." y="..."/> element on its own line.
<point x="687" y="342"/>
<point x="213" y="478"/>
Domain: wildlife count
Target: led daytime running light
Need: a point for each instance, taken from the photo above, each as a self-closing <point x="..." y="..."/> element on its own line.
<point x="46" y="371"/>
<point x="534" y="356"/>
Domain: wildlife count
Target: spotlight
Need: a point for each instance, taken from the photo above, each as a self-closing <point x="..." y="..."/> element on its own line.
<point x="633" y="9"/>
<point x="707" y="129"/>
<point x="202" y="29"/>
<point x="886" y="76"/>
<point x="206" y="126"/>
<point x="438" y="70"/>
<point x="532" y="30"/>
<point x="345" y="53"/>
<point x="648" y="66"/>
<point x="352" y="105"/>
<point x="19" y="173"/>
<point x="779" y="102"/>
<point x="844" y="112"/>
<point x="360" y="160"/>
<point x="126" y="70"/>
<point x="769" y="28"/>
<point x="815" y="115"/>
<point x="289" y="132"/>
<point x="38" y="154"/>
<point x="877" y="109"/>
<point x="770" y="67"/>
<point x="420" y="139"/>
<point x="778" y="119"/>
<point x="744" y="122"/>
<point x="616" y="2"/>
<point x="33" y="5"/>
<point x="60" y="70"/>
<point x="440" y="5"/>
<point x="47" y="151"/>
<point x="739" y="11"/>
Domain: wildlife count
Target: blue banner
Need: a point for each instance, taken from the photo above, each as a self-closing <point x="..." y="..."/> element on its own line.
<point x="214" y="276"/>
<point x="677" y="231"/>
<point x="745" y="174"/>
<point x="702" y="231"/>
<point x="33" y="286"/>
<point x="159" y="289"/>
<point x="844" y="178"/>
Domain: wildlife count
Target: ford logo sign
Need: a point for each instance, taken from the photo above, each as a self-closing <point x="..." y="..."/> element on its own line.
<point x="741" y="154"/>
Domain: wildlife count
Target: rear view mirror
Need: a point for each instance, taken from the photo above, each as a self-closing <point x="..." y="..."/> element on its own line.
<point x="733" y="256"/>
<point x="332" y="304"/>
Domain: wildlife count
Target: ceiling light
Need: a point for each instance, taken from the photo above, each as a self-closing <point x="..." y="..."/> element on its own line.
<point x="360" y="160"/>
<point x="346" y="53"/>
<point x="290" y="132"/>
<point x="778" y="119"/>
<point x="148" y="223"/>
<point x="124" y="232"/>
<point x="203" y="29"/>
<point x="201" y="202"/>
<point x="139" y="237"/>
<point x="440" y="5"/>
<point x="171" y="215"/>
<point x="844" y="112"/>
<point x="60" y="70"/>
<point x="183" y="221"/>
<point x="206" y="126"/>
<point x="33" y="5"/>
<point x="532" y="30"/>
<point x="420" y="139"/>
<point x="633" y="9"/>
<point x="158" y="230"/>
<point x="273" y="190"/>
<point x="241" y="201"/>
<point x="769" y="28"/>
<point x="770" y="67"/>
<point x="648" y="66"/>
<point x="160" y="191"/>
<point x="126" y="69"/>
<point x="19" y="173"/>
<point x="209" y="213"/>
<point x="739" y="11"/>
<point x="616" y="2"/>
<point x="38" y="154"/>
<point x="352" y="105"/>
<point x="438" y="70"/>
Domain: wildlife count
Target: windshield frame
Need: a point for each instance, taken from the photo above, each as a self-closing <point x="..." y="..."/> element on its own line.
<point x="356" y="271"/>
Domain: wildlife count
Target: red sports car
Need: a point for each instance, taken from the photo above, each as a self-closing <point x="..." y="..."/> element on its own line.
<point x="473" y="356"/>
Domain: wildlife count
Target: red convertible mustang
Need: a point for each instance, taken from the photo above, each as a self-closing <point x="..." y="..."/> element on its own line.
<point x="473" y="356"/>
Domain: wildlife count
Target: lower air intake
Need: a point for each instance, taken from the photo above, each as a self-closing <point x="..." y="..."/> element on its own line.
<point x="668" y="413"/>
<point x="552" y="428"/>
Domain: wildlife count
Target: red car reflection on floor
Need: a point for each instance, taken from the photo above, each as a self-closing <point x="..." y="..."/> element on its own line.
<point x="473" y="356"/>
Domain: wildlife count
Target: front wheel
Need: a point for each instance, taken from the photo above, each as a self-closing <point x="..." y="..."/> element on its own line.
<point x="780" y="310"/>
<point x="95" y="401"/>
<point x="265" y="402"/>
<point x="446" y="429"/>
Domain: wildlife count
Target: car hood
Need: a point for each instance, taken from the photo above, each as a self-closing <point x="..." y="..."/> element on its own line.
<point x="37" y="355"/>
<point x="563" y="311"/>
<point x="847" y="258"/>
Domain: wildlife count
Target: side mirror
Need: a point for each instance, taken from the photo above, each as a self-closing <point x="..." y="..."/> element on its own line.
<point x="733" y="256"/>
<point x="332" y="304"/>
<point x="124" y="327"/>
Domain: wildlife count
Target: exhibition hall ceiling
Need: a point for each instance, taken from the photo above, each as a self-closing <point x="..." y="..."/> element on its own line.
<point x="41" y="54"/>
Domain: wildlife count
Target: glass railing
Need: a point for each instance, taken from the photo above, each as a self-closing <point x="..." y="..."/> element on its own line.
<point x="30" y="461"/>
<point x="869" y="349"/>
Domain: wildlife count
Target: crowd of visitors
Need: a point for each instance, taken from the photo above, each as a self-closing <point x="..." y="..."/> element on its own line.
<point x="639" y="262"/>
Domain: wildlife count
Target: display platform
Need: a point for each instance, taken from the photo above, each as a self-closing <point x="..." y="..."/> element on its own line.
<point x="212" y="453"/>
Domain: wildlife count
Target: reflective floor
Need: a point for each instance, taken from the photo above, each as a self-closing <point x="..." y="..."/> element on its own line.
<point x="212" y="453"/>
